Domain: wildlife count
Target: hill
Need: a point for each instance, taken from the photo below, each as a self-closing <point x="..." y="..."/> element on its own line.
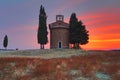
<point x="59" y="64"/>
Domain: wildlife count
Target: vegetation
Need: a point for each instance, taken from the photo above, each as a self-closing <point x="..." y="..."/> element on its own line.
<point x="42" y="29"/>
<point x="96" y="65"/>
<point x="5" y="42"/>
<point x="78" y="33"/>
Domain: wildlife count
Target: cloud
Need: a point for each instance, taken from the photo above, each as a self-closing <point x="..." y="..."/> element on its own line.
<point x="24" y="37"/>
<point x="103" y="28"/>
<point x="66" y="5"/>
<point x="102" y="44"/>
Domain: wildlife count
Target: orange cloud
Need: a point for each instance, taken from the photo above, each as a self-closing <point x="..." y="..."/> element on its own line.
<point x="104" y="30"/>
<point x="102" y="44"/>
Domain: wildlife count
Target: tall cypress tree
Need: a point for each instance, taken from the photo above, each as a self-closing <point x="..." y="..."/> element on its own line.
<point x="42" y="29"/>
<point x="78" y="33"/>
<point x="72" y="31"/>
<point x="5" y="42"/>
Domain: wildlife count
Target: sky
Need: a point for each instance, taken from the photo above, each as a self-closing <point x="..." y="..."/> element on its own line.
<point x="19" y="20"/>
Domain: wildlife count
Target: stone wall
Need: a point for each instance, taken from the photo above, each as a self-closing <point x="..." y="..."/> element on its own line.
<point x="59" y="35"/>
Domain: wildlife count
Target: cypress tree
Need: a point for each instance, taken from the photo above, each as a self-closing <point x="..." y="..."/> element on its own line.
<point x="5" y="42"/>
<point x="42" y="29"/>
<point x="83" y="34"/>
<point x="72" y="31"/>
<point x="78" y="33"/>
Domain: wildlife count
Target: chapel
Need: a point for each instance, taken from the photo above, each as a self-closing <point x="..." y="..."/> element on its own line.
<point x="59" y="33"/>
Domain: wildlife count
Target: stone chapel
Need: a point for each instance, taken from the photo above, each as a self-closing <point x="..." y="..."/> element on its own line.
<point x="59" y="33"/>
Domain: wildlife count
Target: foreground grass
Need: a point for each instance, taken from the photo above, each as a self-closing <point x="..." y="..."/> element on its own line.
<point x="60" y="65"/>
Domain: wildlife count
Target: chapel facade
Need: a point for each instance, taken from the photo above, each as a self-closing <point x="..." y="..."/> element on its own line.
<point x="59" y="33"/>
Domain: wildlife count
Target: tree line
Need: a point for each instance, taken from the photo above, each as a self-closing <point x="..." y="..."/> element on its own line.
<point x="78" y="35"/>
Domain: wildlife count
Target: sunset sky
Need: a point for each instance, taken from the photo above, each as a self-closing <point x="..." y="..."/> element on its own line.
<point x="19" y="20"/>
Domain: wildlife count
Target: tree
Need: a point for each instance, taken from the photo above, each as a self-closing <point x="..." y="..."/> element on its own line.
<point x="5" y="42"/>
<point x="72" y="24"/>
<point x="78" y="33"/>
<point x="84" y="36"/>
<point x="42" y="29"/>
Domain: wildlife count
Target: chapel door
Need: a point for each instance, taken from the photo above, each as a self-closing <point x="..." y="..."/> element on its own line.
<point x="60" y="45"/>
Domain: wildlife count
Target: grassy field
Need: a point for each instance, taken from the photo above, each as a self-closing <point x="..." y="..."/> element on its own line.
<point x="47" y="54"/>
<point x="59" y="64"/>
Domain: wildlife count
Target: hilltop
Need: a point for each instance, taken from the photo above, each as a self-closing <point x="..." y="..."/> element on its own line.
<point x="44" y="54"/>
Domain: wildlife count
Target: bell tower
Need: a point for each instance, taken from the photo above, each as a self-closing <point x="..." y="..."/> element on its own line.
<point x="59" y="18"/>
